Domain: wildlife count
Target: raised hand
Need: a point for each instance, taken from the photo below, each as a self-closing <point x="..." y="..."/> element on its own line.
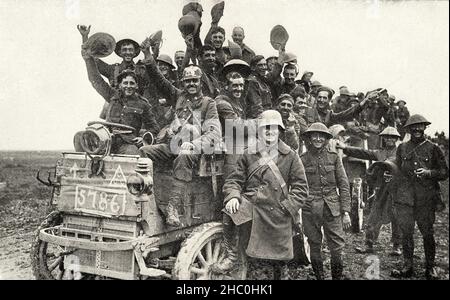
<point x="84" y="30"/>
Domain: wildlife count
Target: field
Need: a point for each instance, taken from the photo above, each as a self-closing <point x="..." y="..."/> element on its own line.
<point x="24" y="203"/>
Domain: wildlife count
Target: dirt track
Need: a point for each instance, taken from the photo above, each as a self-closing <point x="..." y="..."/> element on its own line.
<point x="23" y="206"/>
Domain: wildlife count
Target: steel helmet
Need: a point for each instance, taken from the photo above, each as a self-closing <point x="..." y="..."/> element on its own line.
<point x="336" y="129"/>
<point x="237" y="65"/>
<point x="318" y="127"/>
<point x="137" y="48"/>
<point x="278" y="37"/>
<point x="289" y="58"/>
<point x="188" y="24"/>
<point x="100" y="44"/>
<point x="344" y="91"/>
<point x="398" y="102"/>
<point x="166" y="59"/>
<point x="315" y="83"/>
<point x="416" y="119"/>
<point x="192" y="72"/>
<point x="390" y="131"/>
<point x="270" y="117"/>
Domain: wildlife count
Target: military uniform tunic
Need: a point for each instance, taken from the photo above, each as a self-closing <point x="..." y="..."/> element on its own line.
<point x="417" y="197"/>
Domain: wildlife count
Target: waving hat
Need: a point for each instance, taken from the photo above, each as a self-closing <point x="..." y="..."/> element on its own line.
<point x="278" y="37"/>
<point x="100" y="44"/>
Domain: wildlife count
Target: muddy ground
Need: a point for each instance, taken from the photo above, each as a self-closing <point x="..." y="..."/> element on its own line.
<point x="23" y="205"/>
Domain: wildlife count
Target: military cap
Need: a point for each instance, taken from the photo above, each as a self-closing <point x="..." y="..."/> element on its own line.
<point x="278" y="37"/>
<point x="327" y="89"/>
<point x="137" y="48"/>
<point x="398" y="102"/>
<point x="344" y="91"/>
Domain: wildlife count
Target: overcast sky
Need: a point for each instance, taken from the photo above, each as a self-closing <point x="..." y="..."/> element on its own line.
<point x="45" y="95"/>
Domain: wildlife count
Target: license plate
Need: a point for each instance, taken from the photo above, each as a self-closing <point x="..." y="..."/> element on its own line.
<point x="100" y="201"/>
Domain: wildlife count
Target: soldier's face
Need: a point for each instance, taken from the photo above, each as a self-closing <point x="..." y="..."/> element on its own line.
<point x="307" y="77"/>
<point x="289" y="75"/>
<point x="269" y="134"/>
<point x="179" y="59"/>
<point x="217" y="40"/>
<point x="389" y="141"/>
<point x="164" y="69"/>
<point x="192" y="86"/>
<point x="261" y="67"/>
<point x="285" y="108"/>
<point x="270" y="64"/>
<point x="127" y="52"/>
<point x="417" y="130"/>
<point x="238" y="36"/>
<point x="236" y="87"/>
<point x="322" y="100"/>
<point x="300" y="105"/>
<point x="128" y="86"/>
<point x="401" y="105"/>
<point x="318" y="140"/>
<point x="209" y="59"/>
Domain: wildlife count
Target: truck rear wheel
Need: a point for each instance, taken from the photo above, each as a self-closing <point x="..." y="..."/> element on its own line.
<point x="200" y="251"/>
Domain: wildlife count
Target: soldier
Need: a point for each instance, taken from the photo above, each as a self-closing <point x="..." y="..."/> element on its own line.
<point x="371" y="116"/>
<point x="271" y="61"/>
<point x="270" y="186"/>
<point x="179" y="57"/>
<point x="287" y="83"/>
<point x="252" y="106"/>
<point x="127" y="49"/>
<point x="305" y="81"/>
<point x="341" y="102"/>
<point x="294" y="125"/>
<point x="261" y="82"/>
<point x="322" y="112"/>
<point x="196" y="116"/>
<point x="422" y="165"/>
<point x="388" y="151"/>
<point x="325" y="206"/>
<point x="238" y="37"/>
<point x="126" y="107"/>
<point x="315" y="85"/>
<point x="402" y="116"/>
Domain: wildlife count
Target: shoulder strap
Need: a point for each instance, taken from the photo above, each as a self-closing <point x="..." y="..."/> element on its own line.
<point x="276" y="172"/>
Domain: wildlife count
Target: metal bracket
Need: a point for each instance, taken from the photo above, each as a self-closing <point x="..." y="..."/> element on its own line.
<point x="49" y="182"/>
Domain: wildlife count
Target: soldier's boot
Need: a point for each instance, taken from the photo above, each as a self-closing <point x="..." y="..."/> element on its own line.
<point x="408" y="266"/>
<point x="337" y="267"/>
<point x="280" y="271"/>
<point x="175" y="199"/>
<point x="229" y="242"/>
<point x="430" y="253"/>
<point x="317" y="266"/>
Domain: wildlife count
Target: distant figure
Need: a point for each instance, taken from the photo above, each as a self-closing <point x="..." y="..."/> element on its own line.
<point x="238" y="37"/>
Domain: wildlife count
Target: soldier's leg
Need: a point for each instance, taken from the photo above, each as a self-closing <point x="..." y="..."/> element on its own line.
<point x="128" y="149"/>
<point x="425" y="217"/>
<point x="231" y="246"/>
<point x="396" y="237"/>
<point x="312" y="224"/>
<point x="335" y="237"/>
<point x="161" y="154"/>
<point x="182" y="170"/>
<point x="405" y="218"/>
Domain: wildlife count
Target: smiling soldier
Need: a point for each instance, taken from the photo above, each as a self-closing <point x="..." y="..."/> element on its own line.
<point x="422" y="165"/>
<point x="325" y="207"/>
<point x="125" y="106"/>
<point x="195" y="113"/>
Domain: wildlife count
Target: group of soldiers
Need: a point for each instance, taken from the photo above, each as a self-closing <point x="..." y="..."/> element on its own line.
<point x="186" y="107"/>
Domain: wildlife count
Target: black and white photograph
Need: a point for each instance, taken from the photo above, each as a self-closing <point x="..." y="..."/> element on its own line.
<point x="256" y="140"/>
